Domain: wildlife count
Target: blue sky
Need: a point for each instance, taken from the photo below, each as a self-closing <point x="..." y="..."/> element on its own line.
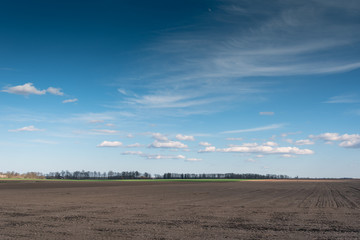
<point x="181" y="86"/>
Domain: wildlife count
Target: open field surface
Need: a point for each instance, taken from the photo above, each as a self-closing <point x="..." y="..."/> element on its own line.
<point x="327" y="209"/>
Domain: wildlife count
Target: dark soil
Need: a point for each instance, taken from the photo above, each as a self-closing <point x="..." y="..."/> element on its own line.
<point x="180" y="210"/>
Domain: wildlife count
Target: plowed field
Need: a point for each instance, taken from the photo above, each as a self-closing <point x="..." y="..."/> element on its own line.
<point x="180" y="210"/>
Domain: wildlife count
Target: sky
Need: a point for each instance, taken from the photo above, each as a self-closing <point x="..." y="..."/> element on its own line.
<point x="205" y="86"/>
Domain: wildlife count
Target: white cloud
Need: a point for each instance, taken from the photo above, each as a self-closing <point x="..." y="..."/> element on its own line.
<point x="55" y="91"/>
<point x="250" y="160"/>
<point x="132" y="153"/>
<point x="100" y="117"/>
<point x="95" y="121"/>
<point x="159" y="156"/>
<point x="287" y="156"/>
<point x="266" y="150"/>
<point x="205" y="144"/>
<point x="293" y="150"/>
<point x="134" y="145"/>
<point x="272" y="144"/>
<point x="185" y="138"/>
<point x="263" y="47"/>
<point x="268" y="127"/>
<point x="254" y="144"/>
<point x="343" y="99"/>
<point x="122" y="91"/>
<point x="25" y="89"/>
<point x="168" y="144"/>
<point x="110" y="125"/>
<point x="165" y="100"/>
<point x="249" y="145"/>
<point x="207" y="149"/>
<point x="266" y="113"/>
<point x="259" y="156"/>
<point x="70" y="100"/>
<point x="105" y="131"/>
<point x="26" y="129"/>
<point x="333" y="136"/>
<point x="304" y="142"/>
<point x="297" y="31"/>
<point x="326" y="136"/>
<point x="194" y="159"/>
<point x="153" y="156"/>
<point x="159" y="137"/>
<point x="28" y="88"/>
<point x="352" y="143"/>
<point x="234" y="139"/>
<point x="346" y="140"/>
<point x="110" y="144"/>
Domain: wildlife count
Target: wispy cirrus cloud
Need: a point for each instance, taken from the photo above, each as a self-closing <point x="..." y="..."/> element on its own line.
<point x="343" y="99"/>
<point x="95" y="121"/>
<point x="122" y="91"/>
<point x="304" y="142"/>
<point x="263" y="128"/>
<point x="132" y="153"/>
<point x="70" y="100"/>
<point x="290" y="133"/>
<point x="262" y="46"/>
<point x="257" y="39"/>
<point x="26" y="129"/>
<point x="134" y="145"/>
<point x="193" y="159"/>
<point x="234" y="139"/>
<point x="105" y="131"/>
<point x="100" y="117"/>
<point x="171" y="100"/>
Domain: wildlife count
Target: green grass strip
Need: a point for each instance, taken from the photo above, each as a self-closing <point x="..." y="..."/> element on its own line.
<point x="126" y="180"/>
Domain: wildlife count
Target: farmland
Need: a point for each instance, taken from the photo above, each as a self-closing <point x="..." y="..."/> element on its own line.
<point x="276" y="209"/>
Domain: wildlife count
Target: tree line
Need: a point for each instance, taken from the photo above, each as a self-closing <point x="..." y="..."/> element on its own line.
<point x="137" y="175"/>
<point x="222" y="176"/>
<point x="79" y="175"/>
<point x="12" y="174"/>
<point x="84" y="175"/>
